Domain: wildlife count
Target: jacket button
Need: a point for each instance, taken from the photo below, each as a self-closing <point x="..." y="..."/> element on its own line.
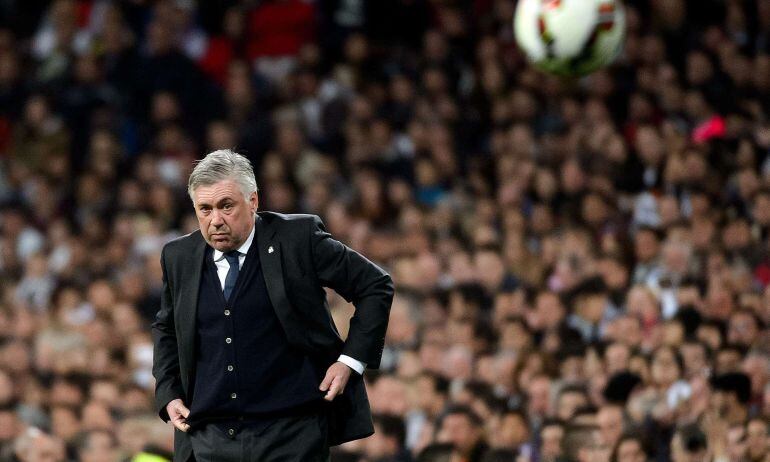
<point x="233" y="395"/>
<point x="228" y="340"/>
<point x="231" y="432"/>
<point x="230" y="368"/>
<point x="227" y="312"/>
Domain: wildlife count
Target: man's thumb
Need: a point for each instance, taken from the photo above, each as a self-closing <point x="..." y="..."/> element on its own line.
<point x="180" y="408"/>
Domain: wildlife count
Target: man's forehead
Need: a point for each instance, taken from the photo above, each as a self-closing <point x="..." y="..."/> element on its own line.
<point x="216" y="191"/>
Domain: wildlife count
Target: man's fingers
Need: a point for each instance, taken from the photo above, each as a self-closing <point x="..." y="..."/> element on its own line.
<point x="333" y="389"/>
<point x="182" y="426"/>
<point x="326" y="382"/>
<point x="180" y="423"/>
<point x="178" y="414"/>
<point x="335" y="380"/>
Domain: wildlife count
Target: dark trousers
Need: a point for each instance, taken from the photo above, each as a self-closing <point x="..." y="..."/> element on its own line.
<point x="295" y="438"/>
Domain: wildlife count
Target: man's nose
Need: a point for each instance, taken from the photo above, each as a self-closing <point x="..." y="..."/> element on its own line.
<point x="216" y="218"/>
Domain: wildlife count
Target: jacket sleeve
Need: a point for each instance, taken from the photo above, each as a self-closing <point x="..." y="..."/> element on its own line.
<point x="361" y="282"/>
<point x="165" y="365"/>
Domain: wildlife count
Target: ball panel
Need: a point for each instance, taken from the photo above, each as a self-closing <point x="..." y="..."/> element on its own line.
<point x="570" y="37"/>
<point x="571" y="25"/>
<point x="526" y="31"/>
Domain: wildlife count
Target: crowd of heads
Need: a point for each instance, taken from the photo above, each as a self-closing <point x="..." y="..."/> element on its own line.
<point x="581" y="266"/>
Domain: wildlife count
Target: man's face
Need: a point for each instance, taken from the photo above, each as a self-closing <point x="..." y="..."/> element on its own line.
<point x="709" y="335"/>
<point x="720" y="402"/>
<point x="593" y="306"/>
<point x="757" y="440"/>
<point x="646" y="246"/>
<point x="761" y="209"/>
<point x="728" y="361"/>
<point x="610" y="422"/>
<point x="9" y="426"/>
<point x="513" y="430"/>
<point x="539" y="396"/>
<point x="665" y="370"/>
<point x="458" y="430"/>
<point x="44" y="448"/>
<point x="100" y="448"/>
<point x="742" y="329"/>
<point x="694" y="357"/>
<point x="569" y="402"/>
<point x="593" y="450"/>
<point x="626" y="330"/>
<point x="378" y="445"/>
<point x="551" y="446"/>
<point x="224" y="215"/>
<point x="425" y="393"/>
<point x="549" y="310"/>
<point x="630" y="451"/>
<point x="616" y="356"/>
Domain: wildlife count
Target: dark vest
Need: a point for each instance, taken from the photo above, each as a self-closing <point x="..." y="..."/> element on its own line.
<point x="245" y="368"/>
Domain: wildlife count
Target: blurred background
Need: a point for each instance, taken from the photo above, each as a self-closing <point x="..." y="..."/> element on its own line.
<point x="581" y="266"/>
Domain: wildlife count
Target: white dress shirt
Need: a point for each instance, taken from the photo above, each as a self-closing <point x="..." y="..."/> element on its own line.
<point x="223" y="267"/>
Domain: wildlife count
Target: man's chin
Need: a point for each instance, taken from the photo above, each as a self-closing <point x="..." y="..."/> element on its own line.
<point x="221" y="244"/>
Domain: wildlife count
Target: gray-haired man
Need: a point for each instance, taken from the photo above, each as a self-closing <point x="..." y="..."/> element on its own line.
<point x="248" y="362"/>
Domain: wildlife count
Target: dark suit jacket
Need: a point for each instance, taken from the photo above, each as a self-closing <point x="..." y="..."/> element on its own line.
<point x="298" y="258"/>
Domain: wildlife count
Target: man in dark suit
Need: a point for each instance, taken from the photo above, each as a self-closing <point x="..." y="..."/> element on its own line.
<point x="248" y="362"/>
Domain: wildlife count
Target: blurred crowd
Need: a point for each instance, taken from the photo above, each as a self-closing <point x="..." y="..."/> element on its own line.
<point x="582" y="265"/>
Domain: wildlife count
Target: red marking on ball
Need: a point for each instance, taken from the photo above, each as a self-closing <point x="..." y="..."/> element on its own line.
<point x="607" y="25"/>
<point x="606" y="8"/>
<point x="551" y="4"/>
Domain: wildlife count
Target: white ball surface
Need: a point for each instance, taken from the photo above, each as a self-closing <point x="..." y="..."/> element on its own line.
<point x="570" y="37"/>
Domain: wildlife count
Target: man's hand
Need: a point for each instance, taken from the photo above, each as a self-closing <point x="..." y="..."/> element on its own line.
<point x="336" y="378"/>
<point x="178" y="413"/>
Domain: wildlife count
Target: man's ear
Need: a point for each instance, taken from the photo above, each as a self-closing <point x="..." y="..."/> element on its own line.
<point x="254" y="201"/>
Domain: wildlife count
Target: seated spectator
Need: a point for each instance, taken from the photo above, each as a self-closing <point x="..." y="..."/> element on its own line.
<point x="552" y="440"/>
<point x="629" y="448"/>
<point x="462" y="428"/>
<point x="97" y="446"/>
<point x="730" y="396"/>
<point x="387" y="443"/>
<point x="33" y="445"/>
<point x="439" y="452"/>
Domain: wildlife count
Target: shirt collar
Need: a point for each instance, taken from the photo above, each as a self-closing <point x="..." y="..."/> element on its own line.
<point x="243" y="249"/>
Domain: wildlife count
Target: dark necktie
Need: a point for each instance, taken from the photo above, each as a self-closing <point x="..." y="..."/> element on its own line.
<point x="232" y="273"/>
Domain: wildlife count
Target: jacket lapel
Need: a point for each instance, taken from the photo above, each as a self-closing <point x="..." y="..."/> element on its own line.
<point x="187" y="306"/>
<point x="272" y="270"/>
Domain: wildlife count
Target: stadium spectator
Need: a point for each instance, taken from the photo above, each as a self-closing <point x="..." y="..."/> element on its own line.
<point x="462" y="428"/>
<point x="629" y="448"/>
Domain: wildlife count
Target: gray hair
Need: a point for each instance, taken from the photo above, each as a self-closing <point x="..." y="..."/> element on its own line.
<point x="224" y="164"/>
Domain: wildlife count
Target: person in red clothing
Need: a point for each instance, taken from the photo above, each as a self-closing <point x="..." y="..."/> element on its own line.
<point x="277" y="30"/>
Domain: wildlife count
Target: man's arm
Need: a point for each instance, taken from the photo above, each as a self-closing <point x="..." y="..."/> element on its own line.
<point x="165" y="365"/>
<point x="361" y="282"/>
<point x="352" y="363"/>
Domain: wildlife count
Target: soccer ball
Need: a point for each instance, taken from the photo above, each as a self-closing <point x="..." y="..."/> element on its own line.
<point x="570" y="37"/>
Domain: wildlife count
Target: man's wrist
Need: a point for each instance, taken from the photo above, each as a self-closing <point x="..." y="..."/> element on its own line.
<point x="352" y="363"/>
